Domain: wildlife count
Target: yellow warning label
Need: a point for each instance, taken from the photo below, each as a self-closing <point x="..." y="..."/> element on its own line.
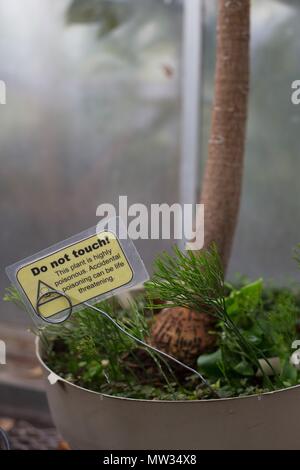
<point x="82" y="271"/>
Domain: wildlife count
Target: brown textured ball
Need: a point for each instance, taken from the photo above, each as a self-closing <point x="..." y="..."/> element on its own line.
<point x="183" y="333"/>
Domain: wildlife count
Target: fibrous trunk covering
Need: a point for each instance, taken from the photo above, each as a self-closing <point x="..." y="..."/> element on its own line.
<point x="221" y="188"/>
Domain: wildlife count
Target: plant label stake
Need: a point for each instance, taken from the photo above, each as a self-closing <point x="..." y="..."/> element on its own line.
<point x="82" y="270"/>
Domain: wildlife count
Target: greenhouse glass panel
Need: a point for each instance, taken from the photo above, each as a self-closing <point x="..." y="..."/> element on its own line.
<point x="93" y="112"/>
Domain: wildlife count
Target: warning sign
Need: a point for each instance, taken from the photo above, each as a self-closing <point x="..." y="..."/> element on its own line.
<point x="81" y="271"/>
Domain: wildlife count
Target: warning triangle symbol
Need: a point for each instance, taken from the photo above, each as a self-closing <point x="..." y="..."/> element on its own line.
<point x="44" y="289"/>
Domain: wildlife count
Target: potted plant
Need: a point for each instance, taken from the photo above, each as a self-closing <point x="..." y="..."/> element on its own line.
<point x="105" y="392"/>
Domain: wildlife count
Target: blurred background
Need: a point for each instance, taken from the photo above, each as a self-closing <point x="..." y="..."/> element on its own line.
<point x="109" y="98"/>
<point x="95" y="109"/>
<point x="93" y="112"/>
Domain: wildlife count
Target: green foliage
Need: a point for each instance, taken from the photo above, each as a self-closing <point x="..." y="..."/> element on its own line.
<point x="108" y="16"/>
<point x="252" y="323"/>
<point x="89" y="350"/>
<point x="267" y="318"/>
<point x="243" y="302"/>
<point x="190" y="280"/>
<point x="12" y="295"/>
<point x="211" y="364"/>
<point x="196" y="281"/>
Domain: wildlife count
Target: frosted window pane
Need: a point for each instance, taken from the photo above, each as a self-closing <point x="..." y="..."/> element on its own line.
<point x="89" y="117"/>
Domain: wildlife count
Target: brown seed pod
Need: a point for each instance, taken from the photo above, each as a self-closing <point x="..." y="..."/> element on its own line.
<point x="183" y="333"/>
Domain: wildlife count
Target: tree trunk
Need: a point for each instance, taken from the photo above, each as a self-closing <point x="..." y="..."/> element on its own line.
<point x="223" y="175"/>
<point x="221" y="189"/>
